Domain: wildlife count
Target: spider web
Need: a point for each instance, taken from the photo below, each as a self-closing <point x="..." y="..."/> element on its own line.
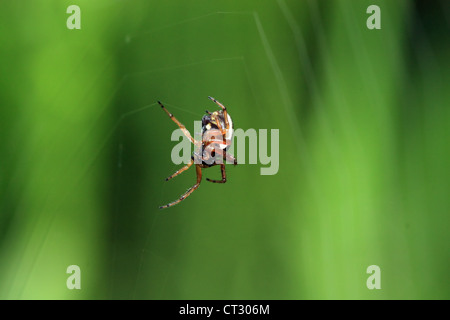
<point x="164" y="254"/>
<point x="256" y="237"/>
<point x="156" y="263"/>
<point x="177" y="254"/>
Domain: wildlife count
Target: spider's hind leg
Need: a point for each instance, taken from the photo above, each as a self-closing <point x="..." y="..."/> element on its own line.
<point x="181" y="170"/>
<point x="224" y="177"/>
<point x="190" y="190"/>
<point x="230" y="159"/>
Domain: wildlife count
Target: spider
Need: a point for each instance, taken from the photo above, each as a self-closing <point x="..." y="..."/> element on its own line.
<point x="217" y="133"/>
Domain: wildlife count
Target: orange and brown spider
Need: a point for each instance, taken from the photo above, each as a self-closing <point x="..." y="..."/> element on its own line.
<point x="217" y="134"/>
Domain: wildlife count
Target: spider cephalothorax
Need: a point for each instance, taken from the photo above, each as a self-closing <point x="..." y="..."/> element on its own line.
<point x="217" y="134"/>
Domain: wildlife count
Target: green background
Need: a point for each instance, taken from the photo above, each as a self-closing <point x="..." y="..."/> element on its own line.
<point x="364" y="174"/>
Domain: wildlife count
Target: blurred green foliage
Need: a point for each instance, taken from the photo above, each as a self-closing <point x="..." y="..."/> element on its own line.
<point x="364" y="147"/>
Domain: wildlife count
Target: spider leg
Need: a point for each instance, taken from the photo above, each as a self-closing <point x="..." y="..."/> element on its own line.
<point x="182" y="127"/>
<point x="224" y="177"/>
<point x="230" y="158"/>
<point x="190" y="190"/>
<point x="212" y="146"/>
<point x="215" y="136"/>
<point x="181" y="170"/>
<point x="225" y="114"/>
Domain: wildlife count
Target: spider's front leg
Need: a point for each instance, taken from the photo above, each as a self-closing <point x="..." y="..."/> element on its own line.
<point x="180" y="125"/>
<point x="224" y="110"/>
